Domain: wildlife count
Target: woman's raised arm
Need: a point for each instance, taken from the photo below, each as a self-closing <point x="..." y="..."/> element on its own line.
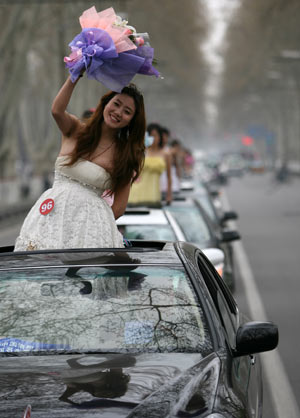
<point x="65" y="121"/>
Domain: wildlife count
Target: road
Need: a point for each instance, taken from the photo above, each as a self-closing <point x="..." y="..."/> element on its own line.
<point x="269" y="221"/>
<point x="10" y="230"/>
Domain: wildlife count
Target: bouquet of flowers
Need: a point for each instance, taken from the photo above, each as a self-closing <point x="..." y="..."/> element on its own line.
<point x="109" y="50"/>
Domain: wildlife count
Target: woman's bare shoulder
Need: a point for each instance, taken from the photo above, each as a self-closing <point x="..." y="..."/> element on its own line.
<point x="166" y="153"/>
<point x="68" y="141"/>
<point x="77" y="126"/>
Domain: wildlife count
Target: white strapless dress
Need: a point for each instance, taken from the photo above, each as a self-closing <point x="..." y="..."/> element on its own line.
<point x="72" y="213"/>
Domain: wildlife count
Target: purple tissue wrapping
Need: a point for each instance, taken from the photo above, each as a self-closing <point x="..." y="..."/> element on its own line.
<point x="93" y="50"/>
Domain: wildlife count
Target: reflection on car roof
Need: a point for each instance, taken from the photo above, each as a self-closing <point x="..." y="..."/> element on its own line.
<point x="148" y="253"/>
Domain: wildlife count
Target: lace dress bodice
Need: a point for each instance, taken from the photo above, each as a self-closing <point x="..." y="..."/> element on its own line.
<point x="79" y="216"/>
<point x="83" y="171"/>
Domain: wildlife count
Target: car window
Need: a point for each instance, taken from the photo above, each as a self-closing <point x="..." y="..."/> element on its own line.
<point x="207" y="205"/>
<point x="148" y="309"/>
<point x="222" y="298"/>
<point x="192" y="224"/>
<point x="148" y="232"/>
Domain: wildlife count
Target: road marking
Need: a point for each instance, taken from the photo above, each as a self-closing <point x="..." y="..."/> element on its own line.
<point x="283" y="398"/>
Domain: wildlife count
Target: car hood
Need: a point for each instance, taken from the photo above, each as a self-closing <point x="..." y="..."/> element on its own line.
<point x="108" y="385"/>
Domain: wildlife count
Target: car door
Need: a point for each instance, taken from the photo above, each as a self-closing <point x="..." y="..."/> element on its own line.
<point x="244" y="370"/>
<point x="216" y="232"/>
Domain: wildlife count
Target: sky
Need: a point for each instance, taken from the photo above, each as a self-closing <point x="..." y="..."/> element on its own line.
<point x="219" y="15"/>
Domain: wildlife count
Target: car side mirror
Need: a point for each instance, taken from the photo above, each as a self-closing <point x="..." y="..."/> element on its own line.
<point x="214" y="193"/>
<point x="228" y="236"/>
<point x="256" y="337"/>
<point x="229" y="215"/>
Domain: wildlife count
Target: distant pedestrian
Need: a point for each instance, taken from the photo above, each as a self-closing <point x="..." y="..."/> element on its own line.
<point x="176" y="164"/>
<point x="146" y="189"/>
<point x="188" y="162"/>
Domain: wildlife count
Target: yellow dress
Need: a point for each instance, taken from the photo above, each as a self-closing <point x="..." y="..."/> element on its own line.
<point x="146" y="189"/>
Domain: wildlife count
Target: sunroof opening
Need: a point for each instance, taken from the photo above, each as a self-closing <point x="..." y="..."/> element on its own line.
<point x="137" y="212"/>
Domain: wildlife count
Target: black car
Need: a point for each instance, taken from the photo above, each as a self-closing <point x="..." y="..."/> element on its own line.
<point x="150" y="330"/>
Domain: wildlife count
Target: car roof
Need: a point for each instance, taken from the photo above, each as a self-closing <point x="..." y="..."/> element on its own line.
<point x="143" y="216"/>
<point x="192" y="201"/>
<point x="141" y="252"/>
<point x="183" y="201"/>
<point x="147" y="217"/>
<point x="192" y="186"/>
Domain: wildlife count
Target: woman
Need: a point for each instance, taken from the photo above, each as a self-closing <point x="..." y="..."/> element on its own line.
<point x="105" y="153"/>
<point x="146" y="190"/>
<point x="171" y="150"/>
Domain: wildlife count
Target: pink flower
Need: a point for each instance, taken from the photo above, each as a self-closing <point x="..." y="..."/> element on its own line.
<point x="140" y="41"/>
<point x="75" y="55"/>
<point x="105" y="20"/>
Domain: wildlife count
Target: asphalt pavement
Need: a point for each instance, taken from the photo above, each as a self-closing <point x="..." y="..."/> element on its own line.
<point x="269" y="221"/>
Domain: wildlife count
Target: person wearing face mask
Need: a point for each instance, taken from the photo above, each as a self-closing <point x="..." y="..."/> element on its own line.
<point x="146" y="190"/>
<point x="105" y="152"/>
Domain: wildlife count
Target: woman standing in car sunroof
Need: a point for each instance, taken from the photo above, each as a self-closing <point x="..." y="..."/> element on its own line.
<point x="146" y="190"/>
<point x="105" y="152"/>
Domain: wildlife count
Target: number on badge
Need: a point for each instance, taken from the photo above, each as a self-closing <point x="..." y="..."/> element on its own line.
<point x="47" y="206"/>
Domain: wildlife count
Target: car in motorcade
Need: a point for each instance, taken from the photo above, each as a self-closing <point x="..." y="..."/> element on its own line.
<point x="149" y="330"/>
<point x="148" y="223"/>
<point x="208" y="169"/>
<point x="257" y="166"/>
<point x="200" y="230"/>
<point x="156" y="224"/>
<point x="209" y="193"/>
<point x="208" y="200"/>
<point x="233" y="164"/>
<point x="204" y="172"/>
<point x="209" y="197"/>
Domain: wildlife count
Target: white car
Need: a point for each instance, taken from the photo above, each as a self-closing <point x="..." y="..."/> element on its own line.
<point x="149" y="224"/>
<point x="156" y="224"/>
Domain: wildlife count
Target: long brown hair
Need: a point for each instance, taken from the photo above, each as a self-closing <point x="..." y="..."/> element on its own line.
<point x="129" y="152"/>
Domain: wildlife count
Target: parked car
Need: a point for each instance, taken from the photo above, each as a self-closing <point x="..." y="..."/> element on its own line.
<point x="233" y="164"/>
<point x="157" y="224"/>
<point x="209" y="198"/>
<point x="200" y="230"/>
<point x="145" y="331"/>
<point x="257" y="166"/>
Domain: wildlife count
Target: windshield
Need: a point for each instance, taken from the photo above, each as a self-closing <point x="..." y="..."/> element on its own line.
<point x="192" y="224"/>
<point x="207" y="205"/>
<point x="148" y="309"/>
<point x="148" y="232"/>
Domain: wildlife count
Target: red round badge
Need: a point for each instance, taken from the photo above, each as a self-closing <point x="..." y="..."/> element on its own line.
<point x="46" y="206"/>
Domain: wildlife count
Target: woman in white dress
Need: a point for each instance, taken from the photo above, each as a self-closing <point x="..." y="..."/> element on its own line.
<point x="105" y="153"/>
